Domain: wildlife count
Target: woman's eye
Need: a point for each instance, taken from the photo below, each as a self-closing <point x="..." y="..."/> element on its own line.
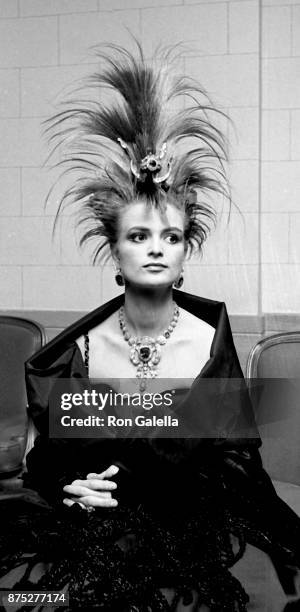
<point x="140" y="237"/>
<point x="172" y="238"/>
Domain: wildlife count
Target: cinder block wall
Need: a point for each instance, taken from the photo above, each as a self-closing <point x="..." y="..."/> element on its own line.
<point x="280" y="156"/>
<point x="246" y="54"/>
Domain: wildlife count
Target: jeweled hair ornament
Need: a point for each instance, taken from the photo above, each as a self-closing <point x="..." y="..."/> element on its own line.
<point x="153" y="140"/>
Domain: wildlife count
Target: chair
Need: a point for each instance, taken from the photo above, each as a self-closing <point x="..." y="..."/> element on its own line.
<point x="276" y="361"/>
<point x="19" y="339"/>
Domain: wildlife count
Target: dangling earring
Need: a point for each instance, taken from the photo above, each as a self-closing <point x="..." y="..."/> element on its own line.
<point x="179" y="282"/>
<point x="119" y="278"/>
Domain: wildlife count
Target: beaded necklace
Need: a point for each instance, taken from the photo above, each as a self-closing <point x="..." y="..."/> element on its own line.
<point x="145" y="352"/>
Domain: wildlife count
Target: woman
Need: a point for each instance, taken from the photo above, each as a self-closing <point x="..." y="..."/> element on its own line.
<point x="149" y="523"/>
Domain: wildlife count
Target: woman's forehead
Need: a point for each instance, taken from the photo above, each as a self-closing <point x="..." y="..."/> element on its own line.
<point x="145" y="215"/>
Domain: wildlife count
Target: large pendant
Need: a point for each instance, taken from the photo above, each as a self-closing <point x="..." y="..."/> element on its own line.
<point x="145" y="355"/>
<point x="146" y="349"/>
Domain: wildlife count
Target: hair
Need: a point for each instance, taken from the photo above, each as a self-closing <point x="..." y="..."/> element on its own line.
<point x="153" y="142"/>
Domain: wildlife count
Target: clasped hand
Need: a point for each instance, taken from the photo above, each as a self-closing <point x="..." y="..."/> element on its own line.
<point x="95" y="491"/>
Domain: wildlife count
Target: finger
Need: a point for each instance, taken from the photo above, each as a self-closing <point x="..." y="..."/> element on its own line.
<point x="80" y="491"/>
<point x="94" y="485"/>
<point x="104" y="494"/>
<point x="91" y="500"/>
<point x="98" y="485"/>
<point x="69" y="502"/>
<point x="111" y="471"/>
<point x="86" y="491"/>
<point x="105" y="485"/>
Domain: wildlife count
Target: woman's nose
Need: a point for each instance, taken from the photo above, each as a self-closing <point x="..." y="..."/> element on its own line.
<point x="155" y="247"/>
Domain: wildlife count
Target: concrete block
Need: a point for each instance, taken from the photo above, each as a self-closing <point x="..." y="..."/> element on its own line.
<point x="78" y="33"/>
<point x="243" y="133"/>
<point x="10" y="287"/>
<point x="10" y="194"/>
<point x="9" y="143"/>
<point x="243" y="344"/>
<point x="247" y="324"/>
<point x="294" y="241"/>
<point x="295" y="134"/>
<point x="276" y="31"/>
<point x="296" y="30"/>
<point x="275" y="323"/>
<point x="109" y="5"/>
<point x="221" y="77"/>
<point x="37" y="184"/>
<point x="280" y="288"/>
<point x="51" y="7"/>
<point x="8" y="8"/>
<point x="215" y="249"/>
<point x="202" y="1"/>
<point x="21" y="143"/>
<point x="203" y="28"/>
<point x="274" y="238"/>
<point x="281" y="186"/>
<point x="275" y="135"/>
<point x="243" y="27"/>
<point x="52" y="332"/>
<point x="280" y="83"/>
<point x="68" y="236"/>
<point x="28" y="42"/>
<point x="57" y="287"/>
<point x="237" y="285"/>
<point x="243" y="177"/>
<point x="279" y="2"/>
<point x="43" y="88"/>
<point x="243" y="238"/>
<point x="28" y="241"/>
<point x="10" y="93"/>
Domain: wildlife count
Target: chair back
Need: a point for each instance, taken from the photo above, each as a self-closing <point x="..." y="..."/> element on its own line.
<point x="276" y="361"/>
<point x="19" y="339"/>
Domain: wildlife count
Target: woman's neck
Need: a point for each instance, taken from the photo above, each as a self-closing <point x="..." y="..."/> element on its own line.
<point x="148" y="313"/>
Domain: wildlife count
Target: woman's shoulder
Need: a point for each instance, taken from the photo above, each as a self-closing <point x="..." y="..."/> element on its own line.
<point x="65" y="342"/>
<point x="103" y="333"/>
<point x="196" y="324"/>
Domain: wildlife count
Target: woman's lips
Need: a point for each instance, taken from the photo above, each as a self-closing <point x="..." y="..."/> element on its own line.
<point x="155" y="266"/>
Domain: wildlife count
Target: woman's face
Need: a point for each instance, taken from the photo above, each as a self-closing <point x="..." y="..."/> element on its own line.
<point x="150" y="249"/>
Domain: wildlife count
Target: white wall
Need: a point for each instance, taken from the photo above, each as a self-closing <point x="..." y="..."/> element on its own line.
<point x="246" y="54"/>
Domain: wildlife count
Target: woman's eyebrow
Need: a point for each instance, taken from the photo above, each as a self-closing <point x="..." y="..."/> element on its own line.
<point x="173" y="228"/>
<point x="148" y="229"/>
<point x="138" y="227"/>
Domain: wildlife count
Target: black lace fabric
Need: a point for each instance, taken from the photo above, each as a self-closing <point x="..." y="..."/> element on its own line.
<point x="121" y="561"/>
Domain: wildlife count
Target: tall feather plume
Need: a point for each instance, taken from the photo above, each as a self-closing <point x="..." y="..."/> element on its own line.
<point x="151" y="112"/>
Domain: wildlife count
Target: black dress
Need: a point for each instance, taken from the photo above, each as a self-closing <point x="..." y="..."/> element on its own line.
<point x="187" y="506"/>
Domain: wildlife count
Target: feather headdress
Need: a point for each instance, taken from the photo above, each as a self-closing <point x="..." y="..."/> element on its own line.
<point x="153" y="140"/>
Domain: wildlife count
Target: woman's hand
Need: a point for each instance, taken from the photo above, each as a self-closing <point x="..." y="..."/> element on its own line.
<point x="95" y="491"/>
